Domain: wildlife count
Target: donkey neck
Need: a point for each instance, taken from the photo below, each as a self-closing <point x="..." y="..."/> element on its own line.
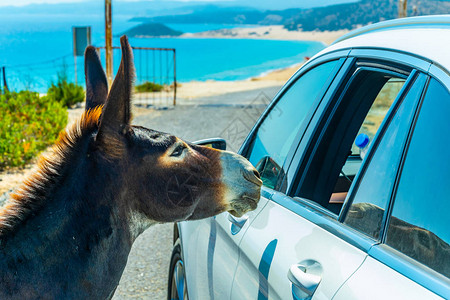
<point x="83" y="190"/>
<point x="78" y="236"/>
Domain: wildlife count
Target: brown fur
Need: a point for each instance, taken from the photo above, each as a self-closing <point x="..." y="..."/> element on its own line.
<point x="31" y="195"/>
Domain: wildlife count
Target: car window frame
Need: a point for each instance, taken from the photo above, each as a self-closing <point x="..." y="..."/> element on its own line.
<point x="398" y="261"/>
<point x="414" y="75"/>
<point x="384" y="55"/>
<point x="311" y="211"/>
<point x="340" y="57"/>
<point x="379" y="56"/>
<point x="305" y="151"/>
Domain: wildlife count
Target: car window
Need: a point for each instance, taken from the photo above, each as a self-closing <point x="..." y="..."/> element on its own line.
<point x="420" y="223"/>
<point x="276" y="133"/>
<point x="328" y="174"/>
<point x="367" y="131"/>
<point x="374" y="189"/>
<point x="378" y="110"/>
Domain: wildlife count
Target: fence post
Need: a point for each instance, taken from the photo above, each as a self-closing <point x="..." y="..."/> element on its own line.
<point x="5" y="85"/>
<point x="108" y="42"/>
<point x="174" y="78"/>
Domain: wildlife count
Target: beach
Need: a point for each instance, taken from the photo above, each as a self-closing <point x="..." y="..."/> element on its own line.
<point x="198" y="89"/>
<point x="272" y="32"/>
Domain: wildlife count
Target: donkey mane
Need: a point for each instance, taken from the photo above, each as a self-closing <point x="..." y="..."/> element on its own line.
<point x="31" y="196"/>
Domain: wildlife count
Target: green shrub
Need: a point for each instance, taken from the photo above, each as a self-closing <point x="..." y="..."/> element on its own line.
<point x="67" y="93"/>
<point x="28" y="124"/>
<point x="148" y="87"/>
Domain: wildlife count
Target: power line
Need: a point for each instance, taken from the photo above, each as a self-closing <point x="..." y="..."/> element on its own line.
<point x="40" y="63"/>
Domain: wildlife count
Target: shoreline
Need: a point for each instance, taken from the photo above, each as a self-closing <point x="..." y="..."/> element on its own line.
<point x="193" y="90"/>
<point x="271" y="32"/>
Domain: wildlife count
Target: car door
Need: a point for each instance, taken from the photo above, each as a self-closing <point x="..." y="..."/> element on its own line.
<point x="413" y="259"/>
<point x="297" y="247"/>
<point x="211" y="247"/>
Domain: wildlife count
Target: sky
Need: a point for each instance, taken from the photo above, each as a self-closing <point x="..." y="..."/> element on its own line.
<point x="26" y="2"/>
<point x="283" y="3"/>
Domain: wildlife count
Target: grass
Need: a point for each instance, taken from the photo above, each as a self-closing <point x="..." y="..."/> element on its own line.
<point x="28" y="124"/>
<point x="67" y="93"/>
<point x="148" y="87"/>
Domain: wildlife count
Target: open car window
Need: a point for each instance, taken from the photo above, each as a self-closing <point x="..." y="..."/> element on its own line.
<point x="364" y="138"/>
<point x="372" y="193"/>
<point x="334" y="158"/>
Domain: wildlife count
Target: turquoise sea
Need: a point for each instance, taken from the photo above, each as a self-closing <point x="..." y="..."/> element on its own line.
<point x="33" y="48"/>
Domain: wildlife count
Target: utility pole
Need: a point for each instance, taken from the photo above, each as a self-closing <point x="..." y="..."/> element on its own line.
<point x="108" y="42"/>
<point x="402" y="10"/>
<point x="5" y="85"/>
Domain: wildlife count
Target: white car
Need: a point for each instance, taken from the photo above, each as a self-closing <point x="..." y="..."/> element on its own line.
<point x="354" y="153"/>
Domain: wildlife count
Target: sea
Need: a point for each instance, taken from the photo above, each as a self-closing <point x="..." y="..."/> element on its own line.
<point x="34" y="49"/>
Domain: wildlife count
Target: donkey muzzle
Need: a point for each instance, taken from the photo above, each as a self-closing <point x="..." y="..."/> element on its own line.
<point x="242" y="183"/>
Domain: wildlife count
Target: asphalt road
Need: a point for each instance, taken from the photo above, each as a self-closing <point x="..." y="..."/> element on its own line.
<point x="229" y="116"/>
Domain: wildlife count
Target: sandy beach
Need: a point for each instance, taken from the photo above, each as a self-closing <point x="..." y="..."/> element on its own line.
<point x="199" y="89"/>
<point x="272" y="32"/>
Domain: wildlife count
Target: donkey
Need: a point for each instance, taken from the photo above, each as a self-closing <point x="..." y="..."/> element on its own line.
<point x="67" y="231"/>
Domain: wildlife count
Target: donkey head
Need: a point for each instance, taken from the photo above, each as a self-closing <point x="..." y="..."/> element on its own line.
<point x="162" y="178"/>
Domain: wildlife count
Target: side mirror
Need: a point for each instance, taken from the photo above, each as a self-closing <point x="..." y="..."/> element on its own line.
<point x="216" y="143"/>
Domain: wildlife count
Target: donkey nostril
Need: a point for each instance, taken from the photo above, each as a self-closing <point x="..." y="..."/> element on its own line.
<point x="252" y="175"/>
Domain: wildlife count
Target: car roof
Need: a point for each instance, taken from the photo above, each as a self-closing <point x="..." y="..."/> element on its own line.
<point x="426" y="36"/>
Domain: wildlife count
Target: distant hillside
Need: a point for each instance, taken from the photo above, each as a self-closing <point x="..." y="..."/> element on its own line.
<point x="211" y="14"/>
<point x="351" y="15"/>
<point x="152" y="29"/>
<point x="333" y="17"/>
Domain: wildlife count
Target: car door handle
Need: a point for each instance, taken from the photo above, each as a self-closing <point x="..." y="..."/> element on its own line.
<point x="237" y="223"/>
<point x="304" y="284"/>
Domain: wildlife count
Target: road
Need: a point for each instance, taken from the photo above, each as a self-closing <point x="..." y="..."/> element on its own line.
<point x="230" y="116"/>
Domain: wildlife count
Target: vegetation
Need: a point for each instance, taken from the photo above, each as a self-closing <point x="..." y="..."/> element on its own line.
<point x="67" y="93"/>
<point x="152" y="29"/>
<point x="332" y="17"/>
<point x="28" y="124"/>
<point x="352" y="15"/>
<point x="148" y="87"/>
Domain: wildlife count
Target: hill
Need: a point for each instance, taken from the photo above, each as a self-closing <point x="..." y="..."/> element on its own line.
<point x="352" y="15"/>
<point x="332" y="17"/>
<point x="151" y="30"/>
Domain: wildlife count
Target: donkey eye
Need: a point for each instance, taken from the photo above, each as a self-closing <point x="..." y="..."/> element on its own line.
<point x="178" y="151"/>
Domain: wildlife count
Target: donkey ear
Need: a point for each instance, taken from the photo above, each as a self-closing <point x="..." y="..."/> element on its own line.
<point x="116" y="114"/>
<point x="96" y="84"/>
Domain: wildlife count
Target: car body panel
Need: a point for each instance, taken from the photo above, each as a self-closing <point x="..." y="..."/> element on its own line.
<point x="421" y="42"/>
<point x="374" y="280"/>
<point x="210" y="251"/>
<point x="297" y="241"/>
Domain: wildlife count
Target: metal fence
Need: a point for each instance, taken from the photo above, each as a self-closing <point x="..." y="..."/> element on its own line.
<point x="155" y="83"/>
<point x="37" y="76"/>
<point x="156" y="77"/>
